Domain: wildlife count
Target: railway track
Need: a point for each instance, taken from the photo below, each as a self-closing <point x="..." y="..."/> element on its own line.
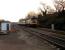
<point x="50" y="37"/>
<point x="54" y="31"/>
<point x="57" y="35"/>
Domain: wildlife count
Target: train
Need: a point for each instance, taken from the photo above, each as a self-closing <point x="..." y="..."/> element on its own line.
<point x="31" y="22"/>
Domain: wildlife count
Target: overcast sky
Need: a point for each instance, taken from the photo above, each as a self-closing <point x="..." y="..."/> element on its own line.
<point x="13" y="10"/>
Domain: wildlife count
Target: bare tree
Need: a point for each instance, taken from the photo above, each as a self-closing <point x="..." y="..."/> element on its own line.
<point x="45" y="9"/>
<point x="60" y="5"/>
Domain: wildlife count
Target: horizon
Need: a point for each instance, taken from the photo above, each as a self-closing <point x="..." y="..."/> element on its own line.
<point x="13" y="10"/>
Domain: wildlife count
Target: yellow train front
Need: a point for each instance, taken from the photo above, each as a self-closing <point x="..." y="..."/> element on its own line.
<point x="32" y="22"/>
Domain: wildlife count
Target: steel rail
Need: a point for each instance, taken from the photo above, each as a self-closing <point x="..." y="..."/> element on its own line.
<point x="57" y="35"/>
<point x="52" y="39"/>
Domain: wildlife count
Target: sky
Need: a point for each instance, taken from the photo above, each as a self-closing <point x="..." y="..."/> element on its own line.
<point x="13" y="10"/>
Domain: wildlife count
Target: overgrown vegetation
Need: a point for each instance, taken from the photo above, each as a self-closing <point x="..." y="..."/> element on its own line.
<point x="46" y="19"/>
<point x="57" y="18"/>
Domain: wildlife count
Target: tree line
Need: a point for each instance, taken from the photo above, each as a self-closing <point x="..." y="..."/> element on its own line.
<point x="45" y="19"/>
<point x="57" y="18"/>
